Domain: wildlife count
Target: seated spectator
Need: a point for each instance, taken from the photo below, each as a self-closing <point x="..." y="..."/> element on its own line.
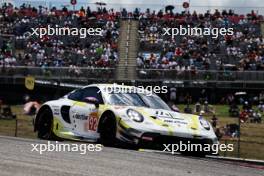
<point x="234" y="110"/>
<point x="244" y="116"/>
<point x="7" y="113"/>
<point x="232" y="130"/>
<point x="31" y="107"/>
<point x="247" y="106"/>
<point x="187" y="109"/>
<point x="197" y="107"/>
<point x="218" y="133"/>
<point x="207" y="108"/>
<point x="261" y="106"/>
<point x="214" y="121"/>
<point x="256" y="117"/>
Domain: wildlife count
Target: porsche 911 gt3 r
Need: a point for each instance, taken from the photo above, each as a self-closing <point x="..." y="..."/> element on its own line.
<point x="93" y="113"/>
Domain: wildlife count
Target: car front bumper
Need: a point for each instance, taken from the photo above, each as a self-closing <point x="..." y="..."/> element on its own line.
<point x="157" y="140"/>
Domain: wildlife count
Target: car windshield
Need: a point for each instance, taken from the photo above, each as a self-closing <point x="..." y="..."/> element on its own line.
<point x="135" y="99"/>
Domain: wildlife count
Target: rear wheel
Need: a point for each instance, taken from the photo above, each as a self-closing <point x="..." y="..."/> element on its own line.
<point x="45" y="126"/>
<point x="107" y="130"/>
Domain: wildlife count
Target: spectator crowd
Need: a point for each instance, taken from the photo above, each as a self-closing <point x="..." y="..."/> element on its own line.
<point x="18" y="48"/>
<point x="244" y="50"/>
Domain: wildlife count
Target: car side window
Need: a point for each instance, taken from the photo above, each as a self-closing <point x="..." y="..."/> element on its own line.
<point x="76" y="95"/>
<point x="93" y="92"/>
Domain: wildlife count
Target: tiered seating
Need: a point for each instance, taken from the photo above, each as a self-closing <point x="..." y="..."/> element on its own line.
<point x="58" y="51"/>
<point x="241" y="51"/>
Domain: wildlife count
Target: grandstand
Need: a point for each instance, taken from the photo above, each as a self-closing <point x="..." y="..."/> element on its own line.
<point x="218" y="74"/>
<point x="132" y="48"/>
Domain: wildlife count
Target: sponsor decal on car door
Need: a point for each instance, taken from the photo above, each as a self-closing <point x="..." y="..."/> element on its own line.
<point x="84" y="119"/>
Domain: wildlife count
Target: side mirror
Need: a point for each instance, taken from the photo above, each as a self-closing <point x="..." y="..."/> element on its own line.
<point x="175" y="108"/>
<point x="92" y="100"/>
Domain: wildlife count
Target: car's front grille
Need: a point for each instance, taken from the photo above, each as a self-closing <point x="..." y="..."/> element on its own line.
<point x="158" y="140"/>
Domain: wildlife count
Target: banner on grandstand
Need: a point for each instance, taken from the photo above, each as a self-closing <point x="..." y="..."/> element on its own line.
<point x="30" y="82"/>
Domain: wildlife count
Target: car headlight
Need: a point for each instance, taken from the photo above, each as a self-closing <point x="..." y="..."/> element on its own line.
<point x="134" y="115"/>
<point x="204" y="123"/>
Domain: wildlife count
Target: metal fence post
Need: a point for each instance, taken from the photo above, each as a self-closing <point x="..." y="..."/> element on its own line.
<point x="16" y="124"/>
<point x="225" y="150"/>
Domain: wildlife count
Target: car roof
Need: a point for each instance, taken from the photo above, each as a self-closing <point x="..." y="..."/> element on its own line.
<point x="104" y="87"/>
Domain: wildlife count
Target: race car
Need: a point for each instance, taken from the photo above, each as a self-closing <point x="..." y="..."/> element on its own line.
<point x="132" y="115"/>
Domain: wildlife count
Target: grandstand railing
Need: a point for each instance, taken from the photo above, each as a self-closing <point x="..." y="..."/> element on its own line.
<point x="154" y="74"/>
<point x="204" y="75"/>
<point x="58" y="72"/>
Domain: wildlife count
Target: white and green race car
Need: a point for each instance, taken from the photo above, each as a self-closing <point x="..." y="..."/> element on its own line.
<point x="99" y="113"/>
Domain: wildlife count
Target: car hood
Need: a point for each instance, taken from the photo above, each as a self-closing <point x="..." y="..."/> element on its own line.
<point x="166" y="116"/>
<point x="166" y="122"/>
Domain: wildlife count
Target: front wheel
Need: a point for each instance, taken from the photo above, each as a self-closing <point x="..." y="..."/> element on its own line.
<point x="107" y="130"/>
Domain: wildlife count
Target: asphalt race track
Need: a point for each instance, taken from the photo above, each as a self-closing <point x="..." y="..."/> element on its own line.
<point x="16" y="158"/>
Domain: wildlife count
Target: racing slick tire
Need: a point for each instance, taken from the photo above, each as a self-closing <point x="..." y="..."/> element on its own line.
<point x="107" y="130"/>
<point x="45" y="127"/>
